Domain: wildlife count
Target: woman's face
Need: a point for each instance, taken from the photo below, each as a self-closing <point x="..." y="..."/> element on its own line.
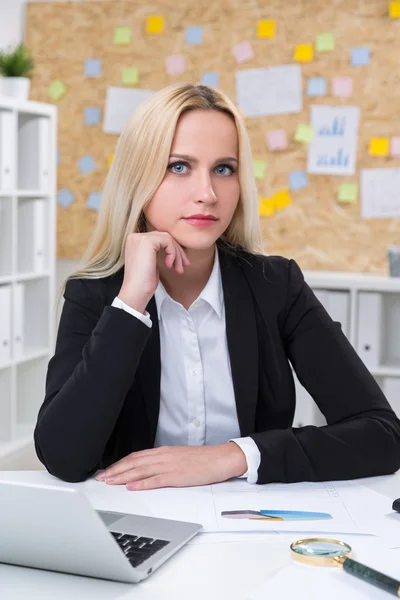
<point x="201" y="178"/>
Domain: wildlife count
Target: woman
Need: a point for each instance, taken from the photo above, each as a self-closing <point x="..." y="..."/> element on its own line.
<point x="172" y="360"/>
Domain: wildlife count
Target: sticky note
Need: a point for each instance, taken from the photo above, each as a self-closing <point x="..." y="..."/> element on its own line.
<point x="360" y="56"/>
<point x="92" y="115"/>
<point x="86" y="164"/>
<point x="316" y="86"/>
<point x="130" y="75"/>
<point x="155" y="24"/>
<point x="110" y="160"/>
<point x="379" y="146"/>
<point x="276" y="139"/>
<point x="324" y="42"/>
<point x="304" y="133"/>
<point x="210" y="78"/>
<point x="281" y="199"/>
<point x="93" y="67"/>
<point x="348" y="192"/>
<point x="342" y="87"/>
<point x="243" y="52"/>
<point x="266" y="207"/>
<point x="259" y="167"/>
<point x="65" y="197"/>
<point x="122" y="36"/>
<point x="394" y="10"/>
<point x="395" y="146"/>
<point x="57" y="90"/>
<point x="298" y="180"/>
<point x="94" y="200"/>
<point x="304" y="53"/>
<point x="194" y="35"/>
<point x="266" y="29"/>
<point x="175" y="64"/>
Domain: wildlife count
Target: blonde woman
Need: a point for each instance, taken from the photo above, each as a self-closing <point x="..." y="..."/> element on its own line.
<point x="172" y="363"/>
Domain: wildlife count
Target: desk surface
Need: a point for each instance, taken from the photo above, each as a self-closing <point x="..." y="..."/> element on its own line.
<point x="212" y="566"/>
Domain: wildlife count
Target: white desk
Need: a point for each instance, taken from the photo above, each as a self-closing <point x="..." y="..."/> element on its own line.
<point x="212" y="567"/>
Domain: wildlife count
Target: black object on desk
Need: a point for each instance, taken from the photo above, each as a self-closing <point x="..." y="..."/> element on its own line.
<point x="396" y="505"/>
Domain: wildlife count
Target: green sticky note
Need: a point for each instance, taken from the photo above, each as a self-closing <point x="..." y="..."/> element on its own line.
<point x="259" y="167"/>
<point x="57" y="89"/>
<point x="304" y="133"/>
<point x="325" y="42"/>
<point x="348" y="192"/>
<point x="130" y="75"/>
<point x="122" y="35"/>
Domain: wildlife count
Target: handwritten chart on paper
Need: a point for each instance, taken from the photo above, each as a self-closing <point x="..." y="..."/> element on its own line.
<point x="333" y="149"/>
<point x="380" y="193"/>
<point x="269" y="91"/>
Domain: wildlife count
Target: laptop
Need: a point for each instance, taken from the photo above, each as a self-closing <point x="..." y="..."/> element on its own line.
<point x="56" y="528"/>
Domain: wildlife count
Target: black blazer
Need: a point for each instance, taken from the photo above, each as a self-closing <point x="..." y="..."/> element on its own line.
<point x="103" y="383"/>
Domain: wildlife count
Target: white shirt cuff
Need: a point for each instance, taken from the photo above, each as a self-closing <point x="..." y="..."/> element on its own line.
<point x="145" y="318"/>
<point x="253" y="457"/>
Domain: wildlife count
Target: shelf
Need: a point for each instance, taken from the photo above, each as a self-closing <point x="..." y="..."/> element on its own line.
<point x="385" y="371"/>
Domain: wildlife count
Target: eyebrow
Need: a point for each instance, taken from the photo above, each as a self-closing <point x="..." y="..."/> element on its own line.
<point x="193" y="159"/>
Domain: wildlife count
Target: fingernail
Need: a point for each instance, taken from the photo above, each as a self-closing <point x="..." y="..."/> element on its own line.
<point x="100" y="476"/>
<point x="110" y="479"/>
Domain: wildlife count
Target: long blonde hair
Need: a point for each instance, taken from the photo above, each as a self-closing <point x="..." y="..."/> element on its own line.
<point x="139" y="166"/>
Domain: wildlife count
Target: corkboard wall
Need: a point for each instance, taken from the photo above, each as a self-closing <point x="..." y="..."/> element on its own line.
<point x="315" y="229"/>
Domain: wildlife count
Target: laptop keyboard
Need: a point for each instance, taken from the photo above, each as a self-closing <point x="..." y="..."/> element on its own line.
<point x="138" y="549"/>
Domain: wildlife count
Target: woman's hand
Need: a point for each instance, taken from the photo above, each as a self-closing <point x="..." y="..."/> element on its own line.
<point x="141" y="274"/>
<point x="176" y="466"/>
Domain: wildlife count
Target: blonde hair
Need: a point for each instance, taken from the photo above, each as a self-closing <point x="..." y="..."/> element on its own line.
<point x="139" y="166"/>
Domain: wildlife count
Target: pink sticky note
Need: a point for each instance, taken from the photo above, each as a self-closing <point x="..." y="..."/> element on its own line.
<point x="276" y="139"/>
<point x="175" y="64"/>
<point x="243" y="52"/>
<point x="395" y="146"/>
<point x="342" y="86"/>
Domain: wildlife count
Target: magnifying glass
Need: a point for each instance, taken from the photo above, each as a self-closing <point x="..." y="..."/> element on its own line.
<point x="327" y="553"/>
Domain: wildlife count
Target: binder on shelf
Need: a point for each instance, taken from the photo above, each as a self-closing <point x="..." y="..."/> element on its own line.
<point x="337" y="304"/>
<point x="391" y="389"/>
<point x="369" y="318"/>
<point x="7" y="137"/>
<point x="5" y="323"/>
<point x="39" y="235"/>
<point x="18" y="321"/>
<point x="32" y="235"/>
<point x="33" y="153"/>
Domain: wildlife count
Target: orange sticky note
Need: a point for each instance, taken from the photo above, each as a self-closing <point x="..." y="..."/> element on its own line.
<point x="394" y="10"/>
<point x="266" y="207"/>
<point x="110" y="160"/>
<point x="266" y="29"/>
<point x="304" y="53"/>
<point x="281" y="199"/>
<point x="155" y="24"/>
<point x="379" y="146"/>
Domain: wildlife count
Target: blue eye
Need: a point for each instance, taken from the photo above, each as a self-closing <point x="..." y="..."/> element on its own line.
<point x="230" y="169"/>
<point x="178" y="166"/>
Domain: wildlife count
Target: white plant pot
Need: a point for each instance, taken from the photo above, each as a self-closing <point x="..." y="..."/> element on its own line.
<point x="17" y="87"/>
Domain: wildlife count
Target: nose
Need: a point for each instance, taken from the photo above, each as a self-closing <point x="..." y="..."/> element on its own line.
<point x="203" y="190"/>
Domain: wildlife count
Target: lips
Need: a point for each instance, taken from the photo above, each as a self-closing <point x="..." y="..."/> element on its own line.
<point x="202" y="217"/>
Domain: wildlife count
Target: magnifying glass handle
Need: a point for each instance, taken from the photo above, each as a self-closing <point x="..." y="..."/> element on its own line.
<point x="383" y="582"/>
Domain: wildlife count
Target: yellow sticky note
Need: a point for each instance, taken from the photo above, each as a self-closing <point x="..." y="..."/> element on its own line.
<point x="304" y="133"/>
<point x="325" y="42"/>
<point x="57" y="89"/>
<point x="394" y="10"/>
<point x="259" y="167"/>
<point x="266" y="207"/>
<point x="281" y="199"/>
<point x="130" y="75"/>
<point x="266" y="29"/>
<point x="122" y="36"/>
<point x="379" y="146"/>
<point x="348" y="192"/>
<point x="304" y="53"/>
<point x="110" y="160"/>
<point x="155" y="24"/>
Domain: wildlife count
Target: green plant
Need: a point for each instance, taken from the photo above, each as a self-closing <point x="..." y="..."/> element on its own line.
<point x="16" y="63"/>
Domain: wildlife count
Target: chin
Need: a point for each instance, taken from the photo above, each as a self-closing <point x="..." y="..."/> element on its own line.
<point x="196" y="242"/>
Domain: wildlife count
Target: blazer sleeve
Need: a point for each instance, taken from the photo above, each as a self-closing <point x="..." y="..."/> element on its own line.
<point x="362" y="435"/>
<point x="96" y="356"/>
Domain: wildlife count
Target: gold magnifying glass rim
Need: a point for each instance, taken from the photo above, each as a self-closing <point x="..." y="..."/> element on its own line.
<point x="322" y="561"/>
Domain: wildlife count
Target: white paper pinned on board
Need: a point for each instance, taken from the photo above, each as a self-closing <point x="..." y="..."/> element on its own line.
<point x="269" y="91"/>
<point x="120" y="103"/>
<point x="380" y="193"/>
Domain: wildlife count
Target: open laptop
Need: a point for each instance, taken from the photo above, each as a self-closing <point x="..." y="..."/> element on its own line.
<point x="56" y="528"/>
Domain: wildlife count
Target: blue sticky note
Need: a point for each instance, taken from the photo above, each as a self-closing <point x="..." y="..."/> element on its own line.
<point x="360" y="56"/>
<point x="194" y="35"/>
<point x="93" y="67"/>
<point x="65" y="197"/>
<point x="86" y="164"/>
<point x="297" y="180"/>
<point x="92" y="115"/>
<point x="210" y="78"/>
<point x="316" y="86"/>
<point x="94" y="200"/>
<point x="58" y="157"/>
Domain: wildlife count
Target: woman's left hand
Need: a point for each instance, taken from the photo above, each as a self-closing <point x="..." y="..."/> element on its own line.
<point x="176" y="466"/>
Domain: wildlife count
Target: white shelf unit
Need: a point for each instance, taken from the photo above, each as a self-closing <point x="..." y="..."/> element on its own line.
<point x="368" y="307"/>
<point x="28" y="134"/>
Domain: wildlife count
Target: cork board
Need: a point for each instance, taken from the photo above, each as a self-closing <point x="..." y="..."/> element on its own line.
<point x="316" y="230"/>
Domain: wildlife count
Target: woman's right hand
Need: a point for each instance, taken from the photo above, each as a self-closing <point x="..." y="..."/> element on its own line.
<point x="141" y="274"/>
